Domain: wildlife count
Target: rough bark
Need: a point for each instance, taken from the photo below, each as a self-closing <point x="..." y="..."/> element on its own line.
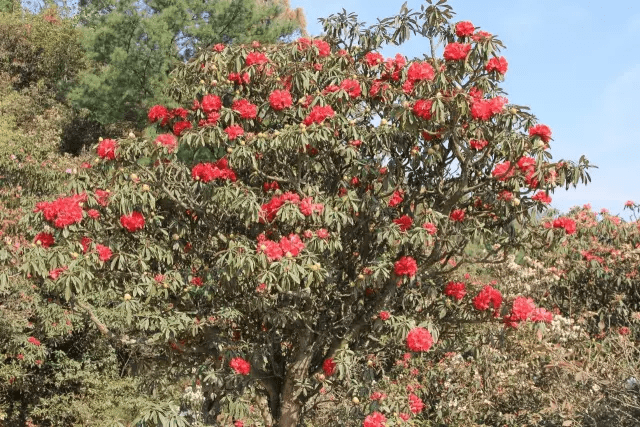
<point x="297" y="371"/>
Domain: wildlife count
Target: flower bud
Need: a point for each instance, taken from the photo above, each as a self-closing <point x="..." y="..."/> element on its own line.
<point x="127" y="297"/>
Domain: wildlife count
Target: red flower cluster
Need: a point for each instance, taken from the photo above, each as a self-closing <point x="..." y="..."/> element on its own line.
<point x="256" y="58"/>
<point x="206" y="172"/>
<point x="542" y="131"/>
<point x="239" y="79"/>
<point x="484" y="109"/>
<point x="431" y="228"/>
<point x="542" y="197"/>
<point x="211" y="103"/>
<point x="456" y="290"/>
<point x="167" y="140"/>
<point x="132" y="222"/>
<point x="375" y="419"/>
<point x="318" y="114"/>
<point x="323" y="47"/>
<point x="420" y="71"/>
<point x="107" y="149"/>
<point x="322" y="233"/>
<point x="158" y="112"/>
<point x="307" y="207"/>
<point x="478" y="144"/>
<point x="487" y="296"/>
<point x="503" y="171"/>
<point x="522" y="308"/>
<point x="568" y="224"/>
<point x="405" y="266"/>
<point x="102" y="197"/>
<point x="246" y="109"/>
<point x="384" y="315"/>
<point x="464" y="29"/>
<point x="541" y="315"/>
<point x="45" y="240"/>
<point x="373" y="58"/>
<point x="497" y="64"/>
<point x="196" y="281"/>
<point x="404" y="222"/>
<point x="85" y="242"/>
<point x="63" y="211"/>
<point x="56" y="272"/>
<point x="352" y="87"/>
<point x="422" y="108"/>
<point x="280" y="99"/>
<point x="329" y="366"/>
<point x="104" y="252"/>
<point x="419" y="339"/>
<point x="34" y="341"/>
<point x="270" y="186"/>
<point x="234" y="131"/>
<point x="457" y="215"/>
<point x="180" y="127"/>
<point x="288" y="246"/>
<point x="415" y="404"/>
<point x="456" y="51"/>
<point x="240" y="365"/>
<point x="396" y="198"/>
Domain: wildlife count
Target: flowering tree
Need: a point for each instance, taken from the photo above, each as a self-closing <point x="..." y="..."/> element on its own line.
<point x="256" y="242"/>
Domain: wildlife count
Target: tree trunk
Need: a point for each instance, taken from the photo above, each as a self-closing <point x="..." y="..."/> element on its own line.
<point x="297" y="371"/>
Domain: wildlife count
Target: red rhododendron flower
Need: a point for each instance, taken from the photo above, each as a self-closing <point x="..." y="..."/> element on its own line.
<point x="480" y="35"/>
<point x="322" y="233"/>
<point x="56" y="272"/>
<point x="256" y="58"/>
<point x="219" y="47"/>
<point x="180" y="127"/>
<point x="457" y="215"/>
<point x="422" y="108"/>
<point x="415" y="404"/>
<point x="307" y="207"/>
<point x="487" y="296"/>
<point x="378" y="395"/>
<point x="505" y="195"/>
<point x="102" y="197"/>
<point x="568" y="224"/>
<point x="86" y="243"/>
<point x="64" y="211"/>
<point x="384" y="315"/>
<point x="456" y="51"/>
<point x="396" y="198"/>
<point x="132" y="222"/>
<point x="318" y="114"/>
<point x="404" y="222"/>
<point x="292" y="245"/>
<point x="240" y="365"/>
<point x="464" y="29"/>
<point x="541" y="315"/>
<point x="34" y="341"/>
<point x="623" y="330"/>
<point x="167" y="140"/>
<point x="497" y="64"/>
<point x="375" y="419"/>
<point x="352" y="87"/>
<point x="542" y="197"/>
<point x="45" y="240"/>
<point x="420" y="71"/>
<point x="478" y="144"/>
<point x="246" y="109"/>
<point x="104" y="252"/>
<point x="542" y="131"/>
<point x="239" y="79"/>
<point x="329" y="366"/>
<point x="323" y="48"/>
<point x="158" y="112"/>
<point x="431" y="228"/>
<point x="456" y="290"/>
<point x="206" y="172"/>
<point x="280" y="99"/>
<point x="179" y="112"/>
<point x="196" y="281"/>
<point x="271" y="249"/>
<point x="373" y="58"/>
<point x="94" y="214"/>
<point x="107" y="149"/>
<point x="405" y="266"/>
<point x="211" y="103"/>
<point x="234" y="131"/>
<point x="503" y="171"/>
<point x="522" y="308"/>
<point x="419" y="339"/>
<point x="484" y="109"/>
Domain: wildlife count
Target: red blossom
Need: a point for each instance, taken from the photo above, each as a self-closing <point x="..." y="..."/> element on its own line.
<point x="352" y="87"/>
<point x="292" y="245"/>
<point x="431" y="228"/>
<point x="234" y="131"/>
<point x="323" y="48"/>
<point x="415" y="404"/>
<point x="542" y="197"/>
<point x="246" y="109"/>
<point x="457" y="215"/>
<point x="280" y="99"/>
<point x="542" y="131"/>
<point x="85" y="242"/>
<point x="132" y="222"/>
<point x="240" y="79"/>
<point x="478" y="144"/>
<point x="375" y="419"/>
<point x="522" y="308"/>
<point x="46" y="240"/>
<point x="64" y="211"/>
<point x="568" y="224"/>
<point x="56" y="272"/>
<point x="422" y="108"/>
<point x="484" y="109"/>
<point x="329" y="366"/>
<point x="318" y="114"/>
<point x="384" y="315"/>
<point x="396" y="198"/>
<point x="373" y="58"/>
<point x="541" y="315"/>
<point x="167" y="140"/>
<point x="456" y="290"/>
<point x="256" y="58"/>
<point x="206" y="172"/>
<point x="419" y="339"/>
<point x="180" y="127"/>
<point x="104" y="252"/>
<point x="503" y="171"/>
<point x="405" y="266"/>
<point x="158" y="112"/>
<point x="419" y="71"/>
<point x="464" y="29"/>
<point x="240" y="365"/>
<point x="487" y="296"/>
<point x="404" y="222"/>
<point x="102" y="197"/>
<point x="211" y="103"/>
<point x="34" y="341"/>
<point x="497" y="64"/>
<point x="456" y="51"/>
<point x="107" y="149"/>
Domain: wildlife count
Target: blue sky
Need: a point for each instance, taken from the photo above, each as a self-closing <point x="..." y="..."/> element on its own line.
<point x="575" y="63"/>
